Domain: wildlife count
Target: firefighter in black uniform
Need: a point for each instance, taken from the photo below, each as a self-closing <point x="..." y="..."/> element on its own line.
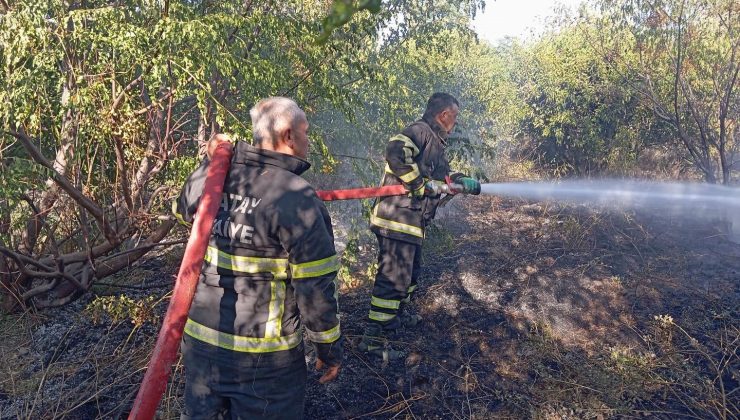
<point x="416" y="159"/>
<point x="270" y="268"/>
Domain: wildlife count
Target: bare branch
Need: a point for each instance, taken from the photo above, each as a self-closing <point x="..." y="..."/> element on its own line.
<point x="66" y="185"/>
<point x="125" y="90"/>
<point x="51" y="272"/>
<point x="154" y="195"/>
<point x="113" y="265"/>
<point x="38" y="290"/>
<point x="146" y="247"/>
<point x="125" y="186"/>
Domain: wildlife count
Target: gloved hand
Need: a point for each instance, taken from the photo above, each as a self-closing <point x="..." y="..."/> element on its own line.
<point x="331" y="371"/>
<point x="419" y="192"/>
<point x="434" y="188"/>
<point x="470" y="185"/>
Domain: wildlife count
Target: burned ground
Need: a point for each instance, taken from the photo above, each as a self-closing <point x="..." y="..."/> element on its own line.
<point x="530" y="311"/>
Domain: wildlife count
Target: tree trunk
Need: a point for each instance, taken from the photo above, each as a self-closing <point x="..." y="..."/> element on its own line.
<point x="51" y="192"/>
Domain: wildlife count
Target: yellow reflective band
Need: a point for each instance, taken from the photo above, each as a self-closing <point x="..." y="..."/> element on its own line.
<point x="314" y="268"/>
<point x="385" y="303"/>
<point x="240" y="343"/>
<point x="395" y="226"/>
<point x="407" y="299"/>
<point x="328" y="336"/>
<point x="278" y="267"/>
<point x="380" y="316"/>
<point x="409" y="177"/>
<point x="407" y="142"/>
<point x="276" y="308"/>
<point x="178" y="216"/>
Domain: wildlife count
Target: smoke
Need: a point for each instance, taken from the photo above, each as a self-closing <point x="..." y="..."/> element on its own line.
<point x="695" y="200"/>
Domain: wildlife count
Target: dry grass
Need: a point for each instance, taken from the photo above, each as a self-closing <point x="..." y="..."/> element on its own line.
<point x="576" y="341"/>
<point x="531" y="311"/>
<point x="93" y="372"/>
<point x="15" y="331"/>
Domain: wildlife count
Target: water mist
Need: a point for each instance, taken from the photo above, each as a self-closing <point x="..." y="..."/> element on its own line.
<point x="691" y="199"/>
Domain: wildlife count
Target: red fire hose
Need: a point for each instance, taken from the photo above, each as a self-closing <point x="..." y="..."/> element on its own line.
<point x="371" y="192"/>
<point x="353" y="193"/>
<point x="165" y="351"/>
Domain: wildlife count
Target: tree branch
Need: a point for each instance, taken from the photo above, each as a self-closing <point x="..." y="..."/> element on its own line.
<point x="21" y="260"/>
<point x="39" y="290"/>
<point x="66" y="185"/>
<point x="125" y="259"/>
<point x="122" y="94"/>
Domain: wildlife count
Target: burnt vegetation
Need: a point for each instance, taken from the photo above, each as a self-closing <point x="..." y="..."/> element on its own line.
<point x="528" y="310"/>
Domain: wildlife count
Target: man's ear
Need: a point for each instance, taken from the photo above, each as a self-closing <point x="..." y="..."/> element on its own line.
<point x="439" y="117"/>
<point x="288" y="138"/>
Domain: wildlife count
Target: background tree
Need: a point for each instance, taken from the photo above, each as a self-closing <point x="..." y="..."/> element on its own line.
<point x="686" y="65"/>
<point x="106" y="102"/>
<point x="581" y="114"/>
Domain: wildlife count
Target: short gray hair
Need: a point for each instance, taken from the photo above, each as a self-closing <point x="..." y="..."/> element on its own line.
<point x="272" y="115"/>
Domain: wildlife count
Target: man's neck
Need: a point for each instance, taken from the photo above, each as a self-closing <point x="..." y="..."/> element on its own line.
<point x="280" y="147"/>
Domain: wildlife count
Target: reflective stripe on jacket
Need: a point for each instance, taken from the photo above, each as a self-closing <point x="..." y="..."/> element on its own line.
<point x="270" y="266"/>
<point x="415" y="154"/>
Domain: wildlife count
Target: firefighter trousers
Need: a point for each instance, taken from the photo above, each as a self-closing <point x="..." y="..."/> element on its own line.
<point x="399" y="266"/>
<point x="224" y="387"/>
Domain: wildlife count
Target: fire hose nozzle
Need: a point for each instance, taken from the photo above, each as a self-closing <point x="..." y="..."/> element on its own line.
<point x="434" y="188"/>
<point x="451" y="189"/>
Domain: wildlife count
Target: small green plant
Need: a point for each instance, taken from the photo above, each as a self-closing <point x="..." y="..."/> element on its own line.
<point x="664" y="324"/>
<point x="122" y="308"/>
<point x="542" y="330"/>
<point x="626" y="360"/>
<point x="616" y="280"/>
<point x="349" y="258"/>
<point x="356" y="256"/>
<point x="372" y="270"/>
<point x="438" y="241"/>
<point x="573" y="232"/>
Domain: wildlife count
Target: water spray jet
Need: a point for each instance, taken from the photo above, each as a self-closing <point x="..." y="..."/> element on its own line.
<point x="670" y="198"/>
<point x="621" y="193"/>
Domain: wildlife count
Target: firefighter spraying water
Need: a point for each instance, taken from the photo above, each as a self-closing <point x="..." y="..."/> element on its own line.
<point x="285" y="243"/>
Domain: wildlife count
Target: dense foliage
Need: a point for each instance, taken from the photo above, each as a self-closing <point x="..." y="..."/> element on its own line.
<point x="105" y="104"/>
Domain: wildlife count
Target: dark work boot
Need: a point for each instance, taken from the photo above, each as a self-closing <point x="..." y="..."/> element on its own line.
<point x="407" y="317"/>
<point x="374" y="342"/>
<point x="410" y="320"/>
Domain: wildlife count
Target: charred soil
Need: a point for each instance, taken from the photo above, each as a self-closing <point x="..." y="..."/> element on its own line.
<point x="529" y="311"/>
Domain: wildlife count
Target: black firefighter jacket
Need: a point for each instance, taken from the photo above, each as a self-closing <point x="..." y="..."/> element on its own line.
<point x="270" y="265"/>
<point x="415" y="154"/>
